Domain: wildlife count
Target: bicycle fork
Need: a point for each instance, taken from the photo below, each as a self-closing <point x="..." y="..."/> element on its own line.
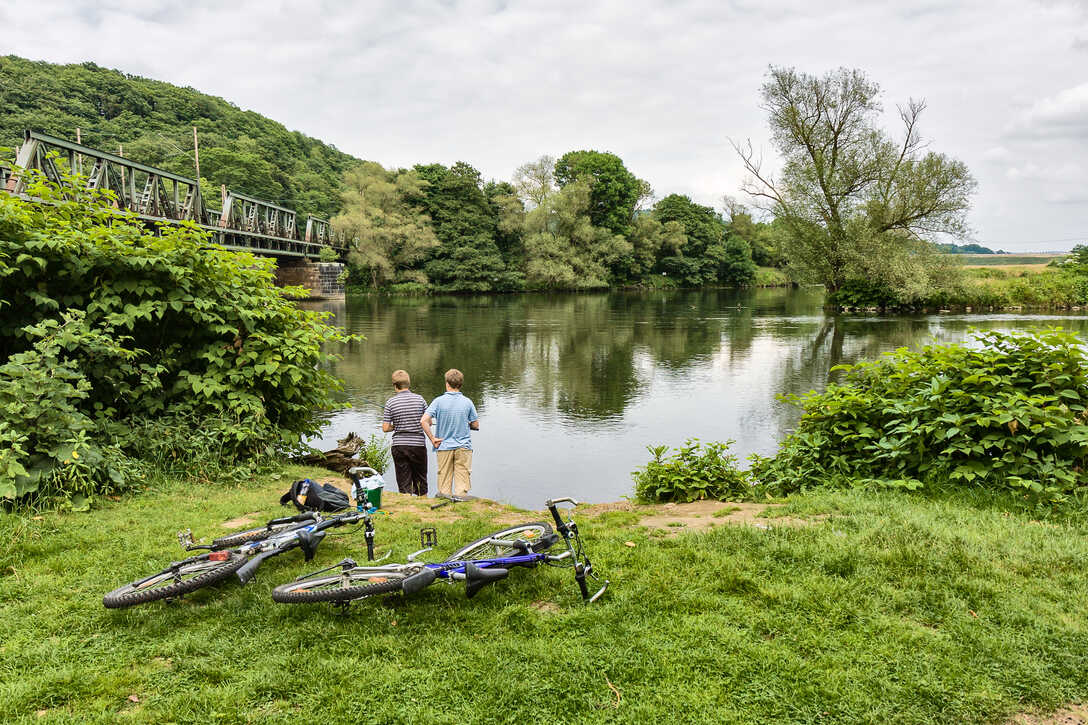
<point x="583" y="568"/>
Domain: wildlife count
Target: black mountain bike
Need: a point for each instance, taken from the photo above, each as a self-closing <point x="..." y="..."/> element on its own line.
<point x="239" y="554"/>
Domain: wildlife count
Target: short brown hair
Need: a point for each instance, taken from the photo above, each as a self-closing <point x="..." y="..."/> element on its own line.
<point x="401" y="379"/>
<point x="455" y="378"/>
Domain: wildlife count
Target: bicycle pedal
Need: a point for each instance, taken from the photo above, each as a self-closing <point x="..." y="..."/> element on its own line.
<point x="428" y="537"/>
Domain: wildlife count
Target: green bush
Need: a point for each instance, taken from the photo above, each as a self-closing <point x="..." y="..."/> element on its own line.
<point x="862" y="293"/>
<point x="1005" y="412"/>
<point x="114" y="330"/>
<point x="375" y="453"/>
<point x="48" y="442"/>
<point x="694" y="472"/>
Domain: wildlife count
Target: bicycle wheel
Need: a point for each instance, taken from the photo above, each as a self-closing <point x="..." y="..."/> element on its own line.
<point x="185" y="577"/>
<point x="244" y="537"/>
<point x="335" y="588"/>
<point x="536" y="533"/>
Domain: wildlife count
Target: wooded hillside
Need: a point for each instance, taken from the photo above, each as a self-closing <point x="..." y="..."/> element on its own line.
<point x="153" y="120"/>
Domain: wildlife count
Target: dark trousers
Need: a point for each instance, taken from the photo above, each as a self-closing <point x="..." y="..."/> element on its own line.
<point x="411" y="465"/>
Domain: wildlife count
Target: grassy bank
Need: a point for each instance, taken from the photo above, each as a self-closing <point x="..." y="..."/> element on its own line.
<point x="882" y="607"/>
<point x="986" y="288"/>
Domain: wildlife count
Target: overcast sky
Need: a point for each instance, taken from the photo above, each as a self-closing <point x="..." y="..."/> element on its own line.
<point x="663" y="85"/>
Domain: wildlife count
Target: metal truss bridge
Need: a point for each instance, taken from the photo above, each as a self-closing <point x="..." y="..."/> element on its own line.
<point x="156" y="196"/>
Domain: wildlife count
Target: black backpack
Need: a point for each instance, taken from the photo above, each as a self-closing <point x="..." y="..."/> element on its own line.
<point x="309" y="495"/>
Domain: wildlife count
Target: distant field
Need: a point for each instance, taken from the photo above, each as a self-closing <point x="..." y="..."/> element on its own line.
<point x="995" y="260"/>
<point x="1015" y="270"/>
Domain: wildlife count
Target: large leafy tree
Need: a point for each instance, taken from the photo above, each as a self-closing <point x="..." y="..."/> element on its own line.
<point x="708" y="255"/>
<point x="391" y="233"/>
<point x="563" y="249"/>
<point x="534" y="181"/>
<point x="846" y="190"/>
<point x="614" y="191"/>
<point x="465" y="223"/>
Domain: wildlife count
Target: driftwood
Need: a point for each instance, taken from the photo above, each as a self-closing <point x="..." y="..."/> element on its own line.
<point x="339" y="459"/>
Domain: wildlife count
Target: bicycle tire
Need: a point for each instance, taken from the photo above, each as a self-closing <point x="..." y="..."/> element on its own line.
<point x="244" y="537"/>
<point x="483" y="549"/>
<point x="204" y="574"/>
<point x="315" y="590"/>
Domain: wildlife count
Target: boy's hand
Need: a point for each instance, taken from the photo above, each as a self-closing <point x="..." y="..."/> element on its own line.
<point x="436" y="442"/>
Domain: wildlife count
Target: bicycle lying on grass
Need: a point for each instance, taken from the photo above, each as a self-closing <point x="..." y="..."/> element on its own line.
<point x="477" y="564"/>
<point x="240" y="554"/>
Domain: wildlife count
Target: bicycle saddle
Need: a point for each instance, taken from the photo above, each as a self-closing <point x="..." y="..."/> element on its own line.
<point x="476" y="578"/>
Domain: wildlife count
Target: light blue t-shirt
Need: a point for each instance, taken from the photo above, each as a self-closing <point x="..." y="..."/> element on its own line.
<point x="451" y="413"/>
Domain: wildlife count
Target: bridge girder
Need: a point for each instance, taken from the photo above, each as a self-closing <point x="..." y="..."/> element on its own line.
<point x="159" y="196"/>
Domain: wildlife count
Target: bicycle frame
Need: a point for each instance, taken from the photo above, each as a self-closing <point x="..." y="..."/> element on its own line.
<point x="305" y="536"/>
<point x="418" y="575"/>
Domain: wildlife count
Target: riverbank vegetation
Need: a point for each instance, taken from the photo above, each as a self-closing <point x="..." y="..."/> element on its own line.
<point x="1006" y="413"/>
<point x="1060" y="283"/>
<point x="126" y="351"/>
<point x="869" y="607"/>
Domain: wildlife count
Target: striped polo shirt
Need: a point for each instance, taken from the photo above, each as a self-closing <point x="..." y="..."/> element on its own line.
<point x="404" y="410"/>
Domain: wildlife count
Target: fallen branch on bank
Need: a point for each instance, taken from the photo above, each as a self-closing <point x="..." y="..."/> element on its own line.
<point x="339" y="459"/>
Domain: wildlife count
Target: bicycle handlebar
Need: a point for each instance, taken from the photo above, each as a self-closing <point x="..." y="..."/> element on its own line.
<point x="307" y="516"/>
<point x="566" y="499"/>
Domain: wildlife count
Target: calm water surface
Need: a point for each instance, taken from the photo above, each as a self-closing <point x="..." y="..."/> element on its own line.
<point x="571" y="388"/>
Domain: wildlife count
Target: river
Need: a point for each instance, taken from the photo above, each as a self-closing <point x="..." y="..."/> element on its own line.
<point x="572" y="388"/>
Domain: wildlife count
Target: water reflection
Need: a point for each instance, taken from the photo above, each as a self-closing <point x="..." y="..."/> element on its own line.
<point x="571" y="388"/>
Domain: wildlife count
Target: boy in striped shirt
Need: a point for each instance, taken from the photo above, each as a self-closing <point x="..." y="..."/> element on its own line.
<point x="401" y="416"/>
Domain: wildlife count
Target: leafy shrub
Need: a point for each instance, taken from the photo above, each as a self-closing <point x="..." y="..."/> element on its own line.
<point x="375" y="453"/>
<point x="694" y="472"/>
<point x="119" y="328"/>
<point x="1007" y="412"/>
<point x="862" y="293"/>
<point x="328" y="254"/>
<point x="48" y="443"/>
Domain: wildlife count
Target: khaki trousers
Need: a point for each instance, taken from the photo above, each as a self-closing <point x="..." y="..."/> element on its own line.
<point x="454" y="467"/>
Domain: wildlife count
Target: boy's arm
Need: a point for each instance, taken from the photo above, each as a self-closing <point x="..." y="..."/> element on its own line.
<point x="425" y="424"/>
<point x="473" y="418"/>
<point x="387" y="419"/>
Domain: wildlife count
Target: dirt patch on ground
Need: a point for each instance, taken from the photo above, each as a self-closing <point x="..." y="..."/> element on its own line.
<point x="546" y="607"/>
<point x="1070" y="715"/>
<point x="672" y="518"/>
<point x="703" y="515"/>
<point x="242" y="521"/>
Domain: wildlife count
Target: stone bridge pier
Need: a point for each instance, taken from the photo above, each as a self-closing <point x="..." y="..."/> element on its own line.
<point x="321" y="278"/>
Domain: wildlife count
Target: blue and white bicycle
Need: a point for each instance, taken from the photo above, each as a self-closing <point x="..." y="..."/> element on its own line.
<point x="477" y="564"/>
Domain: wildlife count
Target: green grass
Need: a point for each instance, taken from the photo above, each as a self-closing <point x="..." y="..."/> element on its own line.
<point x="889" y="608"/>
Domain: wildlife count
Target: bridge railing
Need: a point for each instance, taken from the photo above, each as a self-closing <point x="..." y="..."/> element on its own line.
<point x="157" y="195"/>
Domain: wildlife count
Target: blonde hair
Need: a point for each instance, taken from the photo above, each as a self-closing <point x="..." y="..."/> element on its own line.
<point x="401" y="379"/>
<point x="455" y="378"/>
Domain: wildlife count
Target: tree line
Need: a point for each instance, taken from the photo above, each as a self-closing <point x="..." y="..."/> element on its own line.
<point x="582" y="221"/>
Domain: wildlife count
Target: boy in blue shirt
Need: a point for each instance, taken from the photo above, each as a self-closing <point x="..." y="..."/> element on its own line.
<point x="453" y="416"/>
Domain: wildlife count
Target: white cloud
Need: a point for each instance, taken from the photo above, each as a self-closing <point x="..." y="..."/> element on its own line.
<point x="661" y="84"/>
<point x="1063" y="114"/>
